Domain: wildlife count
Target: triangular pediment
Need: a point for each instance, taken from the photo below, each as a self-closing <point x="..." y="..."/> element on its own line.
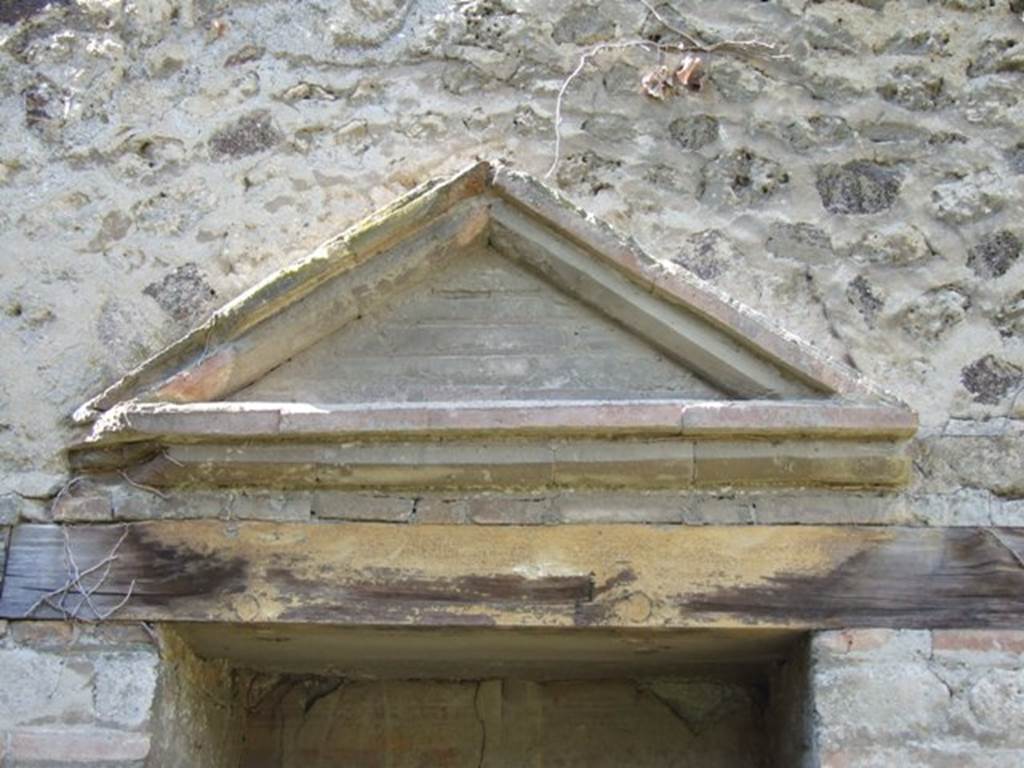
<point x="481" y="328"/>
<point x="486" y="306"/>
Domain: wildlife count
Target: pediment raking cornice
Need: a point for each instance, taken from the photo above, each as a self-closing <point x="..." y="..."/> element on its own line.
<point x="792" y="416"/>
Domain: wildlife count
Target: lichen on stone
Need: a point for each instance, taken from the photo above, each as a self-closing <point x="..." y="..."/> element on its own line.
<point x="248" y="135"/>
<point x="183" y="293"/>
<point x="994" y="254"/>
<point x="990" y="378"/>
<point x="858" y="187"/>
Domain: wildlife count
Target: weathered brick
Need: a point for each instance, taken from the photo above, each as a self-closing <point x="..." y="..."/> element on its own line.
<point x="873" y="645"/>
<point x="83" y="502"/>
<point x="132" y="503"/>
<point x="49" y="746"/>
<point x="271" y="505"/>
<point x="944" y="756"/>
<point x="498" y="510"/>
<point x="979" y="646"/>
<point x="855" y="509"/>
<point x="42" y="634"/>
<point x="339" y="505"/>
<point x="63" y="637"/>
<point x="592" y="508"/>
<point x="432" y="510"/>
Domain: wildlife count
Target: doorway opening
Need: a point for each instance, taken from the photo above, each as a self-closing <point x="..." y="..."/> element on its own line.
<point x="319" y="697"/>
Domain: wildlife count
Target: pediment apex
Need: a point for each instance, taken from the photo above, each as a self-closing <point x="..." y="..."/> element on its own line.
<point x="728" y="344"/>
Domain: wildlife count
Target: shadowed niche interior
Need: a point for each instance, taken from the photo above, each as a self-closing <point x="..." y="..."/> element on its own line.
<point x="317" y="697"/>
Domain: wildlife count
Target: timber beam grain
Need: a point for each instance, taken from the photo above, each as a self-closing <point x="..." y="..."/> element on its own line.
<point x="784" y="577"/>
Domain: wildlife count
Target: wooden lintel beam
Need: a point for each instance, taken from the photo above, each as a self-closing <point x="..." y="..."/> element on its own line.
<point x="786" y="577"/>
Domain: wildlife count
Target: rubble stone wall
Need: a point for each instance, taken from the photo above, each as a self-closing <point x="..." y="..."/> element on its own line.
<point x="76" y="695"/>
<point x="159" y="157"/>
<point x="863" y="191"/>
<point x="939" y="698"/>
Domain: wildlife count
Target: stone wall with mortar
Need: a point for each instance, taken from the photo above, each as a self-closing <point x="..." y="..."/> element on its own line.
<point x="113" y="696"/>
<point x="919" y="698"/>
<point x="76" y="696"/>
<point x="160" y="156"/>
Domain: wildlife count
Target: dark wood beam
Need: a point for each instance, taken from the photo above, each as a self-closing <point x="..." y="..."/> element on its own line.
<point x="715" y="577"/>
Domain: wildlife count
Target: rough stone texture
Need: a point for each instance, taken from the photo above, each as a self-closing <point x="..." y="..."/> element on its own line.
<point x="158" y="152"/>
<point x="708" y="254"/>
<point x="990" y="378"/>
<point x="966" y="198"/>
<point x="864" y="298"/>
<point x="994" y="254"/>
<point x="255" y="132"/>
<point x="183" y="293"/>
<point x="858" y="187"/>
<point x="658" y="722"/>
<point x="198" y="710"/>
<point x="124" y="688"/>
<point x="160" y="157"/>
<point x="76" y="694"/>
<point x="934" y="313"/>
<point x="914" y="88"/>
<point x="741" y="177"/>
<point x="694" y="131"/>
<point x="940" y="698"/>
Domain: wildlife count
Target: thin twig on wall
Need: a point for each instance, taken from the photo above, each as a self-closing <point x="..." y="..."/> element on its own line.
<point x="142" y="486"/>
<point x="584" y="60"/>
<point x="693" y="44"/>
<point x="687" y="72"/>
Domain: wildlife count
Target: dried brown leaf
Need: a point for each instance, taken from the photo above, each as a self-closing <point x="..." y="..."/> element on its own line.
<point x="657" y="83"/>
<point x="690" y="73"/>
